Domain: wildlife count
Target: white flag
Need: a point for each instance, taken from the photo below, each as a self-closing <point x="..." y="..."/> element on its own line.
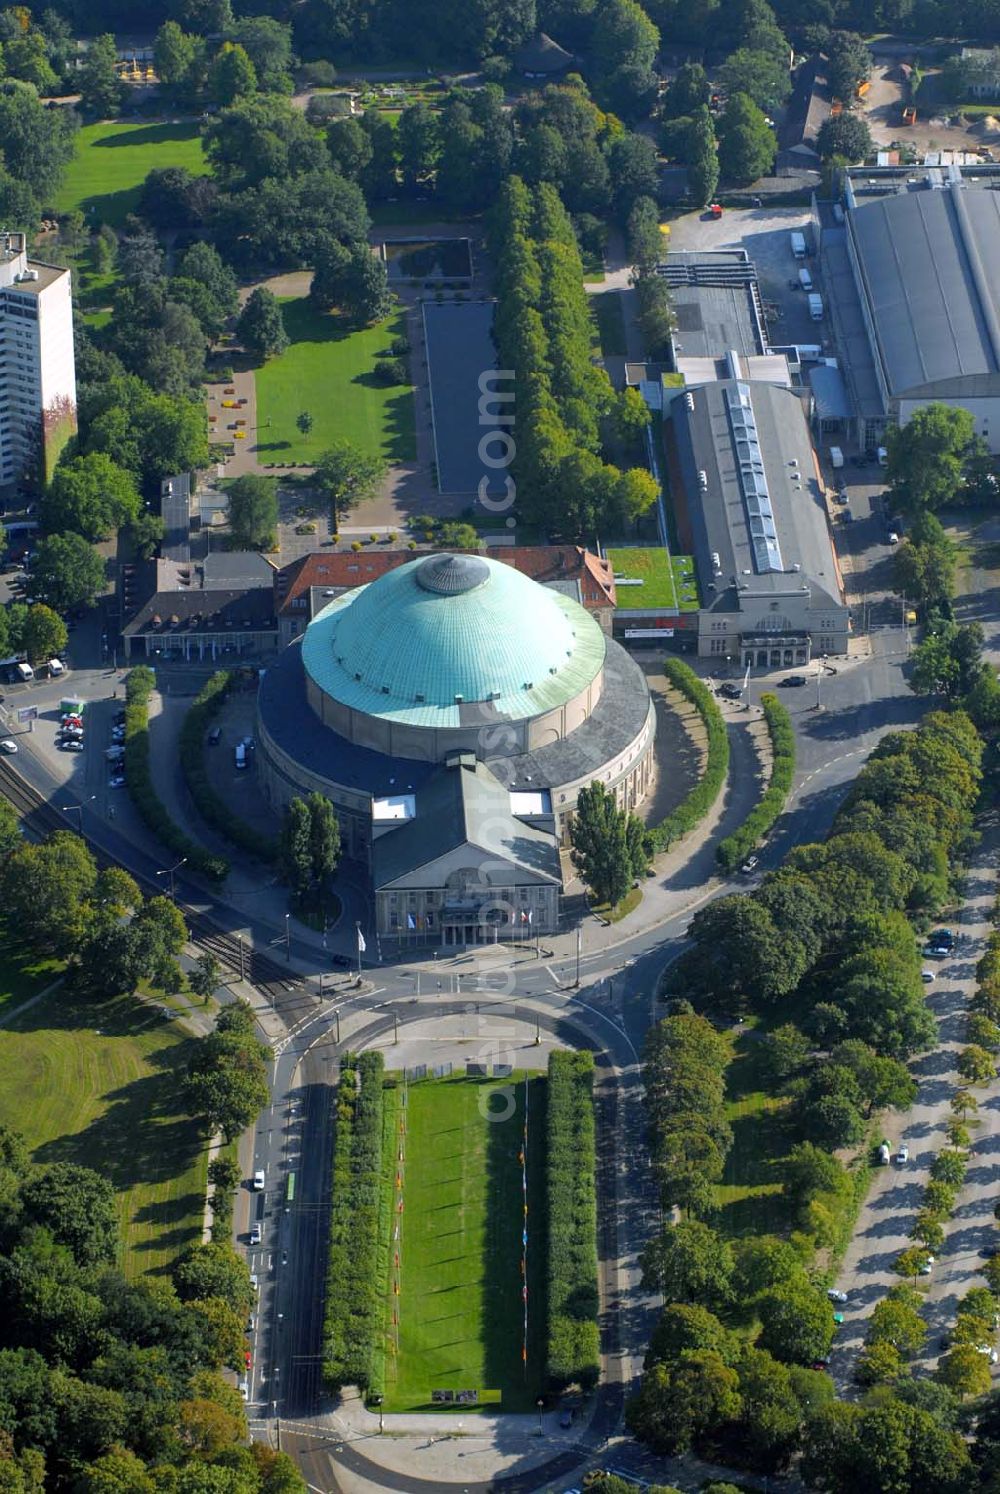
<point x="362" y="946"/>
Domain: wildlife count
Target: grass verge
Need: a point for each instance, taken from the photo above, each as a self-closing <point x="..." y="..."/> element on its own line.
<point x="459" y="1305"/>
<point x="328" y="371"/>
<point x="629" y="902"/>
<point x="610" y="322"/>
<point x="97" y="1083"/>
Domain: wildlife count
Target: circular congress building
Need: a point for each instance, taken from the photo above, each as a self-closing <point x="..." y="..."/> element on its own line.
<point x="452" y="682"/>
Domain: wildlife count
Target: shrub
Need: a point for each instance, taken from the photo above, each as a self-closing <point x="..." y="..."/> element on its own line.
<point x="139" y="687"/>
<point x="399" y="346"/>
<point x="210" y="805"/>
<point x="573" y="1348"/>
<point x="737" y="847"/>
<point x="352" y="1327"/>
<point x="695" y="805"/>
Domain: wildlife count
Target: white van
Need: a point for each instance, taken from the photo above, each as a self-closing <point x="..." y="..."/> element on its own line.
<point x="24" y="672"/>
<point x="805" y="280"/>
<point x="816" y="306"/>
<point x="240" y="754"/>
<point x="836" y="457"/>
<point x="56" y="668"/>
<point x="799" y="245"/>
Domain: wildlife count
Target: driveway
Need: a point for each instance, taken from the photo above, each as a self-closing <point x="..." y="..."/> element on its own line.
<point x="894" y="1198"/>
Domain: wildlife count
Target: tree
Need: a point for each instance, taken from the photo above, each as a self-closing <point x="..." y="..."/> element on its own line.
<point x="324" y="838"/>
<point x="261" y="328"/>
<point x="848" y="63"/>
<point x="643" y="234"/>
<point x="174" y="55"/>
<point x="677" y="1403"/>
<point x="688" y="91"/>
<point x="214" y="1270"/>
<point x="949" y="1167"/>
<point x="833" y="1121"/>
<point x="976" y="1065"/>
<point x="682" y="1326"/>
<point x="688" y="1262"/>
<point x="204" y="977"/>
<point x="419" y="141"/>
<point x="350" y="147"/>
<point x="66" y="572"/>
<point x="762" y="76"/>
<point x="44" y="634"/>
<point x="102" y="92"/>
<point x="747" y="144"/>
<point x="37" y="142"/>
<point x="845" y="135"/>
<point x="924" y="564"/>
<point x="798" y="1323"/>
<point x="296" y="848"/>
<point x="90" y="495"/>
<point x="45" y="888"/>
<point x="304" y="422"/>
<point x="77" y="1206"/>
<point x="227" y="1080"/>
<point x="927" y="456"/>
<point x="231" y="75"/>
<point x="253" y="512"/>
<point x="600" y="846"/>
<point x="633" y="171"/>
<point x="702" y="153"/>
<point x="365" y="295"/>
<point x="346" y="476"/>
<point x="147" y="532"/>
<point x="965" y="1371"/>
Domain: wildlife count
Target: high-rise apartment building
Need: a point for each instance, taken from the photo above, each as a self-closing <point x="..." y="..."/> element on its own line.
<point x="37" y="375"/>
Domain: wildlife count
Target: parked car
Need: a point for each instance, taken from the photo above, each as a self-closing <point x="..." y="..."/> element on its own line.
<point x="903" y="1155"/>
<point x="927" y="1266"/>
<point x="256" y="1234"/>
<point x="836" y="1296"/>
<point x="892" y="538"/>
<point x="749" y="865"/>
<point x="116" y="781"/>
<point x="215" y="736"/>
<point x="732" y="692"/>
<point x="927" y="976"/>
<point x="884" y="1154"/>
<point x="258" y="1182"/>
<point x="943" y="938"/>
<point x="71" y="745"/>
<point x="7" y="745"/>
<point x="254" y="1282"/>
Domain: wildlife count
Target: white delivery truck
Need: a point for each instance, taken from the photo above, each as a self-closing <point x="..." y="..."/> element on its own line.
<point x="816" y="306"/>
<point x="805" y="280"/>
<point x="799" y="245"/>
<point x="836" y="457"/>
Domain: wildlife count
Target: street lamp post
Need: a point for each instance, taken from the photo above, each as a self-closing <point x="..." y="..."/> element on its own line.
<point x="78" y="809"/>
<point x="541" y="1406"/>
<point x="579" y="940"/>
<point x="288" y="936"/>
<point x="169" y="872"/>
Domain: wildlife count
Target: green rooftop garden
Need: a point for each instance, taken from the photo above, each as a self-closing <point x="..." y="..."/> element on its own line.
<point x="666" y="580"/>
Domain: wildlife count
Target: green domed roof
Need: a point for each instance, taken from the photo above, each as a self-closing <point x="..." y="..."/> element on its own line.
<point x="447" y="631"/>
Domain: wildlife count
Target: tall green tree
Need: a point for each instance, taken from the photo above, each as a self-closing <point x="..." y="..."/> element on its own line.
<point x="747" y="144"/>
<point x="66" y="571"/>
<point x="296" y="846"/>
<point x="102" y="91"/>
<point x="261" y="328"/>
<point x="90" y="495"/>
<point x="600" y="844"/>
<point x="44" y="635"/>
<point x="345" y="476"/>
<point x="324" y="838"/>
<point x="253" y="512"/>
<point x="928" y="455"/>
<point x="231" y="75"/>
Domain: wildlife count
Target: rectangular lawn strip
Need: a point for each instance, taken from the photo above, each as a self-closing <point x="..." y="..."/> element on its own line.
<point x="751" y="1198"/>
<point x="328" y="371"/>
<point x="460" y="1303"/>
<point x="104" y="179"/>
<point x="651" y="566"/>
<point x="610" y="323"/>
<point x="96" y="1083"/>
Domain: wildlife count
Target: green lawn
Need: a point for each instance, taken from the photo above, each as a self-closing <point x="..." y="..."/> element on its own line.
<point x="112" y="161"/>
<point x="96" y="1083"/>
<point x="750" y="1198"/>
<point x="667" y="581"/>
<point x="23" y="973"/>
<point x="327" y="370"/>
<point x="459" y="1305"/>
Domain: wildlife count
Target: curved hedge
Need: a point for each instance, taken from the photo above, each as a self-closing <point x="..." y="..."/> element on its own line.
<point x="737" y="847"/>
<point x="139" y="687"/>
<point x="352" y="1319"/>
<point x="573" y="1342"/>
<point x="210" y="805"/>
<point x="694" y="806"/>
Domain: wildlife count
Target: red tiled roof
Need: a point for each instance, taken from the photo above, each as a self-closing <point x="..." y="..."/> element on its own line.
<point x="337" y="569"/>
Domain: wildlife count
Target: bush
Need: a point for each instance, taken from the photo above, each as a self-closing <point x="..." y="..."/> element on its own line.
<point x="399" y="346"/>
<point x="391" y="371"/>
<point x="139" y="687"/>
<point x="573" y="1349"/>
<point x="732" y="851"/>
<point x="696" y="805"/>
<point x="210" y="805"/>
<point x="353" y="1320"/>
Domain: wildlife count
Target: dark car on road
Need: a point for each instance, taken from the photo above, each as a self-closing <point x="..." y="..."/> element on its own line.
<point x="792" y="681"/>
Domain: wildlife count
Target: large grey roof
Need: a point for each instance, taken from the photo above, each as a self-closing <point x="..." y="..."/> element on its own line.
<point x="465" y="806"/>
<point x="720" y="513"/>
<point x="930" y="266"/>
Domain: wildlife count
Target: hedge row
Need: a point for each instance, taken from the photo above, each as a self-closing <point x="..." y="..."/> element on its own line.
<point x="734" y="850"/>
<point x="210" y="805"/>
<point x="139" y="687"/>
<point x="695" y="806"/>
<point x="352" y="1324"/>
<point x="573" y="1351"/>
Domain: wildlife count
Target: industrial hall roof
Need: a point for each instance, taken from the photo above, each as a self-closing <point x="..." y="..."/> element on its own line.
<point x="930" y="267"/>
<point x="432" y="639"/>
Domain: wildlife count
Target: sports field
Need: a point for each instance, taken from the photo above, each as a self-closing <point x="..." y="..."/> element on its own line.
<point x="112" y="161"/>
<point x="96" y="1083"/>
<point x="460" y="1302"/>
<point x="328" y="371"/>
